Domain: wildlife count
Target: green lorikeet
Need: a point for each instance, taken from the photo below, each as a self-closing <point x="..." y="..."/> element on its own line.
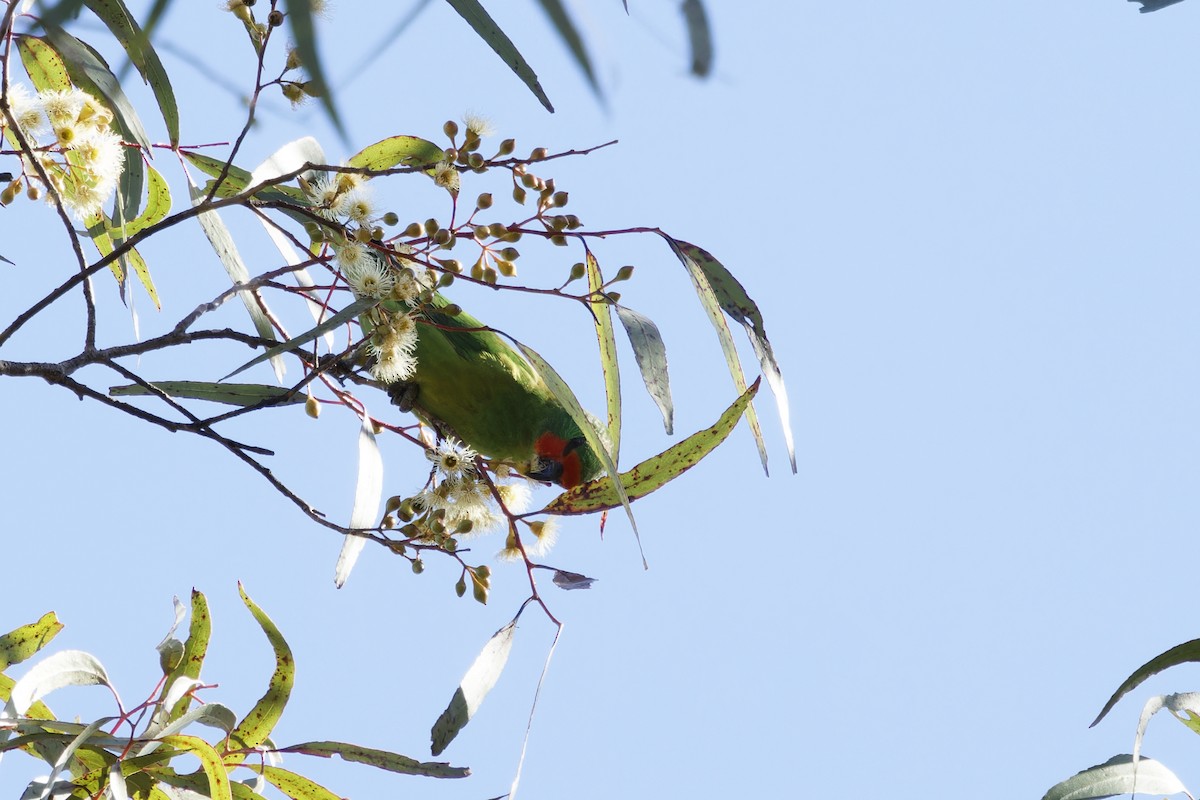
<point x="473" y="384"/>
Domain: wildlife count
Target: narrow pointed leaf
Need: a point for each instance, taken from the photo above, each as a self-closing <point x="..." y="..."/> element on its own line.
<point x="699" y="37"/>
<point x="89" y="71"/>
<point x="222" y="243"/>
<point x="712" y="307"/>
<point x="134" y="259"/>
<point x="142" y="55"/>
<point x="287" y="159"/>
<point x="476" y="684"/>
<point x="409" y="151"/>
<point x="212" y="715"/>
<point x="562" y="392"/>
<point x="347" y="314"/>
<point x="64" y="668"/>
<point x="368" y="491"/>
<point x="304" y="34"/>
<point x="19" y="644"/>
<point x="651" y="355"/>
<point x="490" y="32"/>
<point x="238" y="180"/>
<point x="210" y="762"/>
<point x="195" y="648"/>
<point x="648" y="476"/>
<point x="734" y="301"/>
<point x="1180" y="654"/>
<point x="257" y="725"/>
<point x="573" y="40"/>
<point x="1117" y="776"/>
<point x="607" y="340"/>
<point x="1183" y="706"/>
<point x="382" y="759"/>
<point x="236" y="394"/>
<point x="73" y="746"/>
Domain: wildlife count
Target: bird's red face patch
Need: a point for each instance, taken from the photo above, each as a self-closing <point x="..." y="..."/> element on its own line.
<point x="553" y="448"/>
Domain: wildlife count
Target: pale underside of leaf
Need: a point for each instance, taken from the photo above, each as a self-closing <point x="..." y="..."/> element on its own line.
<point x="368" y="492"/>
<point x="1119" y="775"/>
<point x="222" y="243"/>
<point x="651" y="355"/>
<point x="475" y="685"/>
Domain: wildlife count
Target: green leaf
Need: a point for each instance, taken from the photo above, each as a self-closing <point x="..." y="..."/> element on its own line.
<point x="210" y="762"/>
<point x="410" y="151"/>
<point x="345" y="315"/>
<point x="651" y="474"/>
<point x="43" y="64"/>
<point x="476" y="684"/>
<point x="607" y="340"/>
<point x="158" y="204"/>
<point x="89" y="71"/>
<point x="21" y="643"/>
<point x="134" y="259"/>
<point x="651" y="355"/>
<point x="234" y="394"/>
<point x="254" y="729"/>
<point x="304" y="34"/>
<point x="294" y="785"/>
<point x="142" y="55"/>
<point x="720" y="291"/>
<point x="1119" y="775"/>
<point x="1180" y="654"/>
<point x="570" y="35"/>
<point x="382" y="759"/>
<point x="238" y="180"/>
<point x="490" y="32"/>
<point x="699" y="37"/>
<point x="101" y="230"/>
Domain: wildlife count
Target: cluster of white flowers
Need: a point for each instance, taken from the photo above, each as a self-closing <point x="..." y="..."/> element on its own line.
<point x="85" y="158"/>
<point x="342" y="197"/>
<point x="460" y="495"/>
<point x="393" y="344"/>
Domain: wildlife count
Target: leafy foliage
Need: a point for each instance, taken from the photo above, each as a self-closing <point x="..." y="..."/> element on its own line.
<point x="368" y="293"/>
<point x="113" y="755"/>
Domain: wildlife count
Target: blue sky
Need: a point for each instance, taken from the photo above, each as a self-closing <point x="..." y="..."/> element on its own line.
<point x="969" y="228"/>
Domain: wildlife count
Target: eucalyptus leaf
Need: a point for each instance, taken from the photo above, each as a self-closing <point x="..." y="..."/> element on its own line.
<point x="236" y="394"/>
<point x="257" y="725"/>
<point x="651" y="355"/>
<point x="475" y="685"/>
<point x="1119" y="775"/>
<point x="141" y="54"/>
<point x="607" y="341"/>
<point x="655" y="472"/>
<point x="21" y="643"/>
<point x="382" y="759"/>
<point x="490" y="32"/>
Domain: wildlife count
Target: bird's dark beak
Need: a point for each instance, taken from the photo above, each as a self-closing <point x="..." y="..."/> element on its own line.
<point x="548" y="470"/>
